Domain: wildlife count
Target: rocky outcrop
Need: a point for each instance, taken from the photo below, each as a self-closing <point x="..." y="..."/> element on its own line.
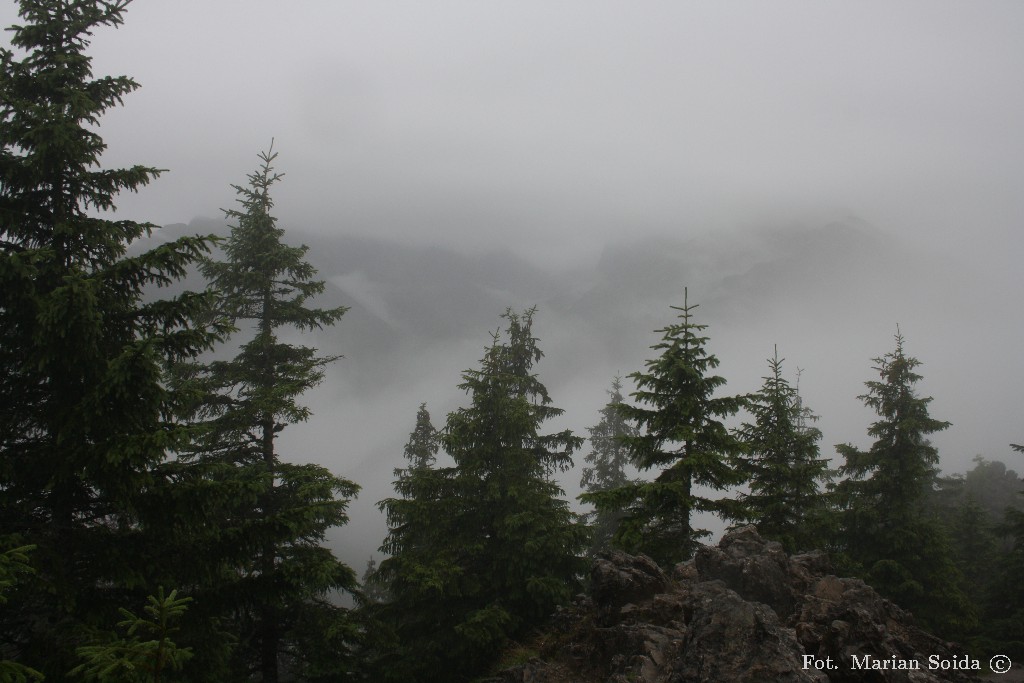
<point x="743" y="611"/>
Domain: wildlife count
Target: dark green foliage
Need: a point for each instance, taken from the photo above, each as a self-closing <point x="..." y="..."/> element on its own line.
<point x="889" y="532"/>
<point x="524" y="538"/>
<point x="989" y="484"/>
<point x="14" y="563"/>
<point x="683" y="435"/>
<point x="485" y="549"/>
<point x="977" y="552"/>
<point x="1006" y="627"/>
<point x="973" y="507"/>
<point x="410" y="516"/>
<point x="263" y="569"/>
<point x="421" y="566"/>
<point x="84" y="415"/>
<point x="1002" y="625"/>
<point x="421" y="487"/>
<point x="421" y="450"/>
<point x="784" y="465"/>
<point x="12" y="672"/>
<point x="608" y="458"/>
<point x="373" y="591"/>
<point x="145" y="653"/>
<point x="901" y="465"/>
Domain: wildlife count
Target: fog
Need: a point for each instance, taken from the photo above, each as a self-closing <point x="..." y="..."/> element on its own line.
<point x="816" y="173"/>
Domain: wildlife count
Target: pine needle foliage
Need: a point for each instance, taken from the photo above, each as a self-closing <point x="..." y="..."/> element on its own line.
<point x="1006" y="618"/>
<point x="901" y="465"/>
<point x="783" y="464"/>
<point x="421" y="565"/>
<point x="372" y="591"/>
<point x="14" y="562"/>
<point x="515" y="513"/>
<point x="500" y="548"/>
<point x="421" y="449"/>
<point x="269" y="573"/>
<point x="682" y="434"/>
<point x="889" y="534"/>
<point x="146" y="652"/>
<point x="417" y="484"/>
<point x="84" y="412"/>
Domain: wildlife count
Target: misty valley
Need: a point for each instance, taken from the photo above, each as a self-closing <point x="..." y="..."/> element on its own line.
<point x="207" y="428"/>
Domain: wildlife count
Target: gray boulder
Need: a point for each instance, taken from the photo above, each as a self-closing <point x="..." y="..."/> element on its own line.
<point x="741" y="612"/>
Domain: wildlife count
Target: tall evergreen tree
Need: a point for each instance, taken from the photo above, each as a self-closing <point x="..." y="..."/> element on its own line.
<point x="422" y="562"/>
<point x="682" y="433"/>
<point x="84" y="414"/>
<point x="888" y="532"/>
<point x="421" y="450"/>
<point x="412" y="518"/>
<point x="373" y="592"/>
<point x="783" y="464"/>
<point x="504" y="547"/>
<point x="1004" y="624"/>
<point x="607" y="460"/>
<point x="990" y="485"/>
<point x="275" y="577"/>
<point x="976" y="508"/>
<point x="1006" y="629"/>
<point x="418" y="485"/>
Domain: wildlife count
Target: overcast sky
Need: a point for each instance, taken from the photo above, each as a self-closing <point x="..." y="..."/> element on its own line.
<point x="554" y="128"/>
<point x="545" y="126"/>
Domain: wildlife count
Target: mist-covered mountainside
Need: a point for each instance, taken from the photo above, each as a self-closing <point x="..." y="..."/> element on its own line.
<point x="829" y="294"/>
<point x="400" y="284"/>
<point x="423" y="295"/>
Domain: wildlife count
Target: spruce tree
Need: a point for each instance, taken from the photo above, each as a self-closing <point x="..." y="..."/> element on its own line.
<point x="84" y="413"/>
<point x="421" y="565"/>
<point x="783" y="464"/>
<point x="1007" y="625"/>
<point x="607" y="460"/>
<point x="418" y="484"/>
<point x="373" y="592"/>
<point x="501" y="548"/>
<point x="421" y="450"/>
<point x="889" y="534"/>
<point x="275" y="579"/>
<point x="1004" y="623"/>
<point x="413" y="516"/>
<point x="682" y="433"/>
